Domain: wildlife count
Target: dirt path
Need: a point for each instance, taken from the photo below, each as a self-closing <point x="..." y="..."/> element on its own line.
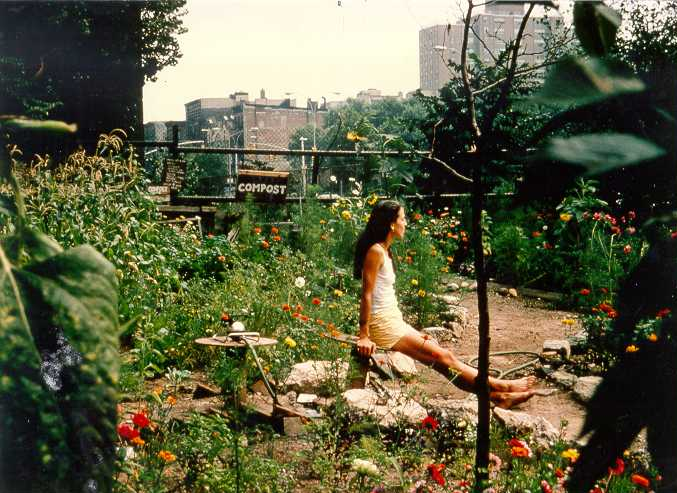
<point x="517" y="324"/>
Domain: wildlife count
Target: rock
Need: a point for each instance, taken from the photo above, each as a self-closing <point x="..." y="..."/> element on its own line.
<point x="402" y="364"/>
<point x="454" y="287"/>
<point x="311" y="376"/>
<point x="306" y="398"/>
<point x="449" y="299"/>
<point x="563" y="379"/>
<point x="473" y="286"/>
<point x="456" y="314"/>
<point x="560" y="346"/>
<point x="552" y="358"/>
<point x="293" y="427"/>
<point x="503" y="291"/>
<point x="259" y="387"/>
<point x="542" y="432"/>
<point x="203" y="391"/>
<point x="453" y="411"/>
<point x="290" y="397"/>
<point x="438" y="333"/>
<point x="388" y="410"/>
<point x="512" y="292"/>
<point x="585" y="388"/>
<point x="578" y="342"/>
<point x="465" y="285"/>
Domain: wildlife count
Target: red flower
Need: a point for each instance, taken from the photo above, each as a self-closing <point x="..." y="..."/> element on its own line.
<point x="631" y="214"/>
<point x="547" y="246"/>
<point x="618" y="469"/>
<point x="535" y="234"/>
<point x="604" y="290"/>
<point x="286" y="308"/>
<point x="140" y="420"/>
<point x="584" y="292"/>
<point x="520" y="452"/>
<point x="225" y="317"/>
<point x="316" y="301"/>
<point x="640" y="480"/>
<point x="435" y="471"/>
<point x="304" y="318"/>
<point x="545" y="487"/>
<point x="277" y="238"/>
<point x="612" y="314"/>
<point x="662" y="313"/>
<point x="298" y="308"/>
<point x="615" y="230"/>
<point x="597" y="216"/>
<point x="127" y="432"/>
<point x="265" y="244"/>
<point x="627" y="249"/>
<point x="559" y="473"/>
<point x="430" y="212"/>
<point x="319" y="321"/>
<point x="429" y="423"/>
<point x="274" y="230"/>
<point x="673" y="235"/>
<point x="597" y="489"/>
<point x="417" y="217"/>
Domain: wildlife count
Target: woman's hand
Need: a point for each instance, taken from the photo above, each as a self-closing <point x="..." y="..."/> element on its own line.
<point x="365" y="347"/>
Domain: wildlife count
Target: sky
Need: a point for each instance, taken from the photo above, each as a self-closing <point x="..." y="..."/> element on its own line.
<point x="311" y="48"/>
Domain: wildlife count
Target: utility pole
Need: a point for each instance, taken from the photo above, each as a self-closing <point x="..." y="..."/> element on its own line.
<point x="303" y="167"/>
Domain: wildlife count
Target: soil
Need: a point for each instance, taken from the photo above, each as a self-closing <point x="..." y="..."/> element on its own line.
<point x="516" y="324"/>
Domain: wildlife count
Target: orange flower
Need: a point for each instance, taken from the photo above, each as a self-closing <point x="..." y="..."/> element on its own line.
<point x="298" y="308"/>
<point x="652" y="337"/>
<point x="138" y="441"/>
<point x="221" y="258"/>
<point x="274" y="230"/>
<point x="225" y="317"/>
<point x="286" y="308"/>
<point x="171" y="400"/>
<point x="166" y="456"/>
<point x="319" y="321"/>
<point x="640" y="480"/>
<point x="535" y="234"/>
<point x="627" y="249"/>
<point x="316" y="301"/>
<point x="257" y="231"/>
<point x="519" y="452"/>
<point x="417" y="217"/>
<point x="277" y="238"/>
<point x="304" y="318"/>
<point x="265" y="244"/>
<point x="584" y="292"/>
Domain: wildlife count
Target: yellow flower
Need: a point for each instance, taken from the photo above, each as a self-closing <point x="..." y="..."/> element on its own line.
<point x="346" y="215"/>
<point x="373" y="199"/>
<point x="354" y="137"/>
<point x="631" y="349"/>
<point x="571" y="454"/>
<point x="652" y="337"/>
<point x="414" y="282"/>
<point x="322" y="221"/>
<point x="290" y="342"/>
<point x="171" y="400"/>
<point x="444" y="269"/>
<point x="425" y="232"/>
<point x="450" y="259"/>
<point x="421" y="293"/>
<point x="565" y="217"/>
<point x="338" y="293"/>
<point x="166" y="456"/>
<point x="568" y="321"/>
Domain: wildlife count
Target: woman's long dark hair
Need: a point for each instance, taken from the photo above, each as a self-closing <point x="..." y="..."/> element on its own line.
<point x="382" y="217"/>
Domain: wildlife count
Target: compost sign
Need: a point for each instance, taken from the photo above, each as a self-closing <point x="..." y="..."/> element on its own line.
<point x="174" y="173"/>
<point x="263" y="186"/>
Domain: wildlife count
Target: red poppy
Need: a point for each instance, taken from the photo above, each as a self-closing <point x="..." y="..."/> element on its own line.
<point x="435" y="471"/>
<point x="618" y="469"/>
<point x="127" y="432"/>
<point x="429" y="423"/>
<point x="140" y="420"/>
<point x="640" y="480"/>
<point x="316" y="301"/>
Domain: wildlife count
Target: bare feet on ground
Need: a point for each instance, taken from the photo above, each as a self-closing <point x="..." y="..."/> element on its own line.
<point x="519" y="385"/>
<point x="506" y="400"/>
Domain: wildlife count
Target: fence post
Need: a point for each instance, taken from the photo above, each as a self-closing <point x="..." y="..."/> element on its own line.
<point x="175" y="142"/>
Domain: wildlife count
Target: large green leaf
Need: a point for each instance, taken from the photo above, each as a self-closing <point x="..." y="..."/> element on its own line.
<point x="59" y="367"/>
<point x="600" y="153"/>
<point x="596" y="26"/>
<point x="578" y="81"/>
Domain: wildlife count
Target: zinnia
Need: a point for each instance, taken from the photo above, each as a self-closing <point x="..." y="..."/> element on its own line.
<point x="127" y="432"/>
<point x="166" y="456"/>
<point x="316" y="301"/>
<point x="640" y="480"/>
<point x="140" y="420"/>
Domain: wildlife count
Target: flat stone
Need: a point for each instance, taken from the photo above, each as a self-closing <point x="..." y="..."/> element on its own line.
<point x="560" y="346"/>
<point x="552" y="358"/>
<point x="449" y="299"/>
<point x="585" y="387"/>
<point x="578" y="342"/>
<point x="512" y="292"/>
<point x="306" y="398"/>
<point x="259" y="387"/>
<point x="473" y="286"/>
<point x="388" y="411"/>
<point x="456" y="314"/>
<point x="312" y="376"/>
<point x="563" y="378"/>
<point x="503" y="291"/>
<point x="454" y="287"/>
<point x="453" y="411"/>
<point x="465" y="285"/>
<point x="438" y="333"/>
<point x="402" y="364"/>
<point x="542" y="432"/>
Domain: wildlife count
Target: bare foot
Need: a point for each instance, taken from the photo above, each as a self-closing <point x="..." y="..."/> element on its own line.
<point x="519" y="385"/>
<point x="506" y="400"/>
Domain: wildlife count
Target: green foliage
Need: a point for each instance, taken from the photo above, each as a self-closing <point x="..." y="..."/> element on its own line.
<point x="596" y="26"/>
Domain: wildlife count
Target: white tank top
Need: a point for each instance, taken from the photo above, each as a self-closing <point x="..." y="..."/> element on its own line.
<point x="383" y="297"/>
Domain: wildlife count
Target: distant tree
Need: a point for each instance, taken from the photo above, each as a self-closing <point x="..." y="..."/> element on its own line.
<point x="85" y="61"/>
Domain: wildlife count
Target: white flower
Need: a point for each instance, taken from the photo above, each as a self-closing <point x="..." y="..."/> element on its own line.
<point x="299" y="282"/>
<point x="163" y="332"/>
<point x="545" y="227"/>
<point x="351" y="179"/>
<point x="332" y="179"/>
<point x="364" y="467"/>
<point x="355" y="192"/>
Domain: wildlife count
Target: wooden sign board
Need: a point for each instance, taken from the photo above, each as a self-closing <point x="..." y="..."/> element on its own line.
<point x="159" y="193"/>
<point x="174" y="173"/>
<point x="264" y="186"/>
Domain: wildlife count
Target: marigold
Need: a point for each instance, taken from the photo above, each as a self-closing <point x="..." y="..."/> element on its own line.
<point x="277" y="238"/>
<point x="346" y="215"/>
<point x="640" y="480"/>
<point x="652" y="337"/>
<point x="171" y="400"/>
<point x="138" y="441"/>
<point x="166" y="456"/>
<point x="257" y="231"/>
<point x="571" y="454"/>
<point x="565" y="217"/>
<point x="631" y="349"/>
<point x="520" y="452"/>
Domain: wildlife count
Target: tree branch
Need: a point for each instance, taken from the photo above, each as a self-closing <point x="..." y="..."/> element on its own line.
<point x="439" y="161"/>
<point x="469" y="99"/>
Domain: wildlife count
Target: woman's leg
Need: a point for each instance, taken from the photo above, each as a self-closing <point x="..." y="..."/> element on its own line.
<point x="444" y="361"/>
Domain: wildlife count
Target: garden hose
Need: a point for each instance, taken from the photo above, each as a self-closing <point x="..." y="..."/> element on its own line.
<point x="503" y="374"/>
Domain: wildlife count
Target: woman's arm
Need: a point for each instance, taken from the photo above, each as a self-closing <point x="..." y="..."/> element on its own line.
<point x="372" y="263"/>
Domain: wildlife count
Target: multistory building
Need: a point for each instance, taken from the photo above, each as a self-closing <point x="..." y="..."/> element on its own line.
<point x="490" y="33"/>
